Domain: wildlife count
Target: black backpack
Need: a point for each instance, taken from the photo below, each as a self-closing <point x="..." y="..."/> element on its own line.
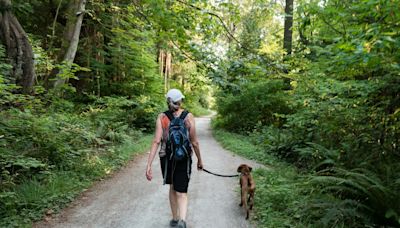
<point x="178" y="143"/>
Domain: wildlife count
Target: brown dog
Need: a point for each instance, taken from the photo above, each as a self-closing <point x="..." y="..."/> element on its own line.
<point x="247" y="187"/>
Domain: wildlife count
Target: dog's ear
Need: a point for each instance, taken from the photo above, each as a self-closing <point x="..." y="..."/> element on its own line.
<point x="250" y="168"/>
<point x="239" y="170"/>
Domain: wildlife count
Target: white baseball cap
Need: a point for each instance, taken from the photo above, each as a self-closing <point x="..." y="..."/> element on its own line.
<point x="175" y="95"/>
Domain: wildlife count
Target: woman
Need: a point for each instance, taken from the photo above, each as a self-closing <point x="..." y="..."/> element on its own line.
<point x="176" y="174"/>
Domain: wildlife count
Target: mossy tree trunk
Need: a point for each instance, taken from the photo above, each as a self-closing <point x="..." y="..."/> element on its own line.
<point x="18" y="48"/>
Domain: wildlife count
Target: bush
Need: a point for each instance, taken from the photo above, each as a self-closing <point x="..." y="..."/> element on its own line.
<point x="344" y="137"/>
<point x="238" y="112"/>
<point x="355" y="198"/>
<point x="140" y="113"/>
<point x="50" y="153"/>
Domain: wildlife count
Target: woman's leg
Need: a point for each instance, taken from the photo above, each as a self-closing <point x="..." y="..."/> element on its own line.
<point x="181" y="183"/>
<point x="173" y="202"/>
<point x="182" y="199"/>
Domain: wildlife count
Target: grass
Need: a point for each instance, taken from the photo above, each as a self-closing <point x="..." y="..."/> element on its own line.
<point x="279" y="192"/>
<point x="198" y="110"/>
<point x="242" y="146"/>
<point x="30" y="200"/>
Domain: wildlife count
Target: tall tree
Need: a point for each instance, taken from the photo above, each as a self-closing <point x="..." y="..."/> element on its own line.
<point x="287" y="35"/>
<point x="165" y="65"/>
<point x="77" y="11"/>
<point x="19" y="50"/>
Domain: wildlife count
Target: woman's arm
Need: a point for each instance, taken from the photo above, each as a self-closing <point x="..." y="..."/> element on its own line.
<point x="154" y="147"/>
<point x="194" y="141"/>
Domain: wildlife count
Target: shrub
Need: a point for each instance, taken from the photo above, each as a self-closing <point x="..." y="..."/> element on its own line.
<point x="355" y="197"/>
<point x="238" y="112"/>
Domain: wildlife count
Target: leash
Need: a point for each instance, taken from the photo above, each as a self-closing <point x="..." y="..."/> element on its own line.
<point x="220" y="175"/>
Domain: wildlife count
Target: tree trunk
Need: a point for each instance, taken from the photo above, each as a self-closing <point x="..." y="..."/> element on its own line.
<point x="168" y="69"/>
<point x="53" y="30"/>
<point x="161" y="62"/>
<point x="161" y="57"/>
<point x="165" y="66"/>
<point x="19" y="50"/>
<point x="287" y="36"/>
<point x="72" y="36"/>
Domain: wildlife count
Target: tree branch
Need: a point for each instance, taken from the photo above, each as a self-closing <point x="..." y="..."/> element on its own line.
<point x="228" y="32"/>
<point x="332" y="27"/>
<point x="140" y="12"/>
<point x="190" y="57"/>
<point x="220" y="20"/>
<point x="53" y="32"/>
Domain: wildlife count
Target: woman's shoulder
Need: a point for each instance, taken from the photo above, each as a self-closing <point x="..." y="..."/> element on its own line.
<point x="189" y="119"/>
<point x="161" y="115"/>
<point x="190" y="115"/>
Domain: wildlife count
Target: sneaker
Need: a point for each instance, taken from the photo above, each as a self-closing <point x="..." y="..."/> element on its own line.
<point x="181" y="224"/>
<point x="173" y="223"/>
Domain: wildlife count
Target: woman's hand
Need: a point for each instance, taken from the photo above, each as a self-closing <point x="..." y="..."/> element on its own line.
<point x="149" y="174"/>
<point x="199" y="165"/>
<point x="154" y="147"/>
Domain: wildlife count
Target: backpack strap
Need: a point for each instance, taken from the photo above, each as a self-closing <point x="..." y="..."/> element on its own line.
<point x="184" y="114"/>
<point x="169" y="115"/>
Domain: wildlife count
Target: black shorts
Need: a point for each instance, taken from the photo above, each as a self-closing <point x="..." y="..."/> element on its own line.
<point x="179" y="172"/>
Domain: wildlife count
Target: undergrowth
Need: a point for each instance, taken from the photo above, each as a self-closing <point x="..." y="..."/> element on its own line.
<point x="279" y="188"/>
<point x="50" y="192"/>
<point x="50" y="154"/>
<point x="287" y="196"/>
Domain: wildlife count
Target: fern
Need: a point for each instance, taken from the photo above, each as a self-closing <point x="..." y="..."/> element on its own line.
<point x="374" y="198"/>
<point x="331" y="212"/>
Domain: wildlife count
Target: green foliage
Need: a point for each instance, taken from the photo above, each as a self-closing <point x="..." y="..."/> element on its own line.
<point x="279" y="188"/>
<point x="341" y="125"/>
<point x="54" y="143"/>
<point x="195" y="85"/>
<point x="328" y="129"/>
<point x="5" y="88"/>
<point x="48" y="156"/>
<point x="279" y="196"/>
<point x="197" y="101"/>
<point x="140" y="112"/>
<point x="239" y="113"/>
<point x="132" y="52"/>
<point x="333" y="197"/>
<point x="67" y="70"/>
<point x="47" y="160"/>
<point x="31" y="199"/>
<point x="355" y="197"/>
<point x="361" y="44"/>
<point x="198" y="110"/>
<point x="331" y="109"/>
<point x="235" y="143"/>
<point x="44" y="64"/>
<point x="4" y="67"/>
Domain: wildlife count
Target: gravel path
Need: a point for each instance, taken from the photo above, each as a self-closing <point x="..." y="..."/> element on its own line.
<point x="127" y="199"/>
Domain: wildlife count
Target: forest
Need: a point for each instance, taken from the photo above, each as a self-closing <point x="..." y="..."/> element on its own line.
<point x="314" y="85"/>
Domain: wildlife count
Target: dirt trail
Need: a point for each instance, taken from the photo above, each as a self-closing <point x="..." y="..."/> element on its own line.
<point x="129" y="200"/>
